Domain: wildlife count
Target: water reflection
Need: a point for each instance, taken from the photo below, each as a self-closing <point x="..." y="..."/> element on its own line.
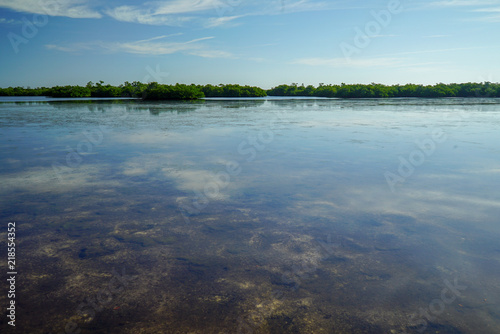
<point x="300" y="234"/>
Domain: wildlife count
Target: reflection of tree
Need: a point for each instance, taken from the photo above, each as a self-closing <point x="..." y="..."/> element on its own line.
<point x="294" y="104"/>
<point x="176" y="108"/>
<point x="157" y="107"/>
<point x="236" y="104"/>
<point x="92" y="105"/>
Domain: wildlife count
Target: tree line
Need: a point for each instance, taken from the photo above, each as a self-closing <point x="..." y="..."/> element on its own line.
<point x="486" y="89"/>
<point x="150" y="91"/>
<point x="156" y="91"/>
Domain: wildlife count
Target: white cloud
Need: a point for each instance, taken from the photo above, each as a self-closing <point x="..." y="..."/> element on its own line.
<point x="68" y="8"/>
<point x="152" y="46"/>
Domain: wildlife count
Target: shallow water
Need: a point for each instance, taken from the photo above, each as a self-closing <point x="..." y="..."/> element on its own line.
<point x="253" y="216"/>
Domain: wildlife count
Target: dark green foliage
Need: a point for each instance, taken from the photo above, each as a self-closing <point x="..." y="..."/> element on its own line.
<point x="232" y="91"/>
<point x="134" y="89"/>
<point x="21" y="91"/>
<point x="69" y="91"/>
<point x="292" y="90"/>
<point x="100" y="90"/>
<point x="151" y="91"/>
<point x="373" y="90"/>
<point x="155" y="91"/>
<point x="188" y="92"/>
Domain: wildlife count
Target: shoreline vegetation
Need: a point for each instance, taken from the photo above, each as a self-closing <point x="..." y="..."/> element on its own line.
<point x="156" y="91"/>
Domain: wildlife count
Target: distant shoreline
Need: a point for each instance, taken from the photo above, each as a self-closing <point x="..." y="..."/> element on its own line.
<point x="272" y="99"/>
<point x="156" y="91"/>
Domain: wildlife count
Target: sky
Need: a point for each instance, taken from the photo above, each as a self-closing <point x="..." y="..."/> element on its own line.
<point x="251" y="42"/>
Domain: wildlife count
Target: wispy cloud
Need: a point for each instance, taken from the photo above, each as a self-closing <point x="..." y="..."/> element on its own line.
<point x="220" y="21"/>
<point x="436" y="36"/>
<point x="432" y="51"/>
<point x="211" y="53"/>
<point x="145" y="16"/>
<point x="408" y="64"/>
<point x="301" y="6"/>
<point x="462" y="3"/>
<point x="9" y="21"/>
<point x="384" y="36"/>
<point x="264" y="8"/>
<point x="489" y="18"/>
<point x="489" y="10"/>
<point x="208" y="13"/>
<point x="187" y="6"/>
<point x="344" y="62"/>
<point x="473" y="6"/>
<point x="171" y="13"/>
<point x="70" y="48"/>
<point x="282" y="7"/>
<point x="68" y="8"/>
<point x="153" y="46"/>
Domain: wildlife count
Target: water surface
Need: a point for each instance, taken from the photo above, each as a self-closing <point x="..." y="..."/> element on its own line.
<point x="254" y="216"/>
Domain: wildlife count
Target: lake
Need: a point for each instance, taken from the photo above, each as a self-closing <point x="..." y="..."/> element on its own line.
<point x="252" y="215"/>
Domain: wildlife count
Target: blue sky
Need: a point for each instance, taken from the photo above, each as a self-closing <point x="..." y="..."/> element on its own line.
<point x="263" y="43"/>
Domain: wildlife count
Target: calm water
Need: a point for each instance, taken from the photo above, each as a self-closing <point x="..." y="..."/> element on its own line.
<point x="253" y="216"/>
